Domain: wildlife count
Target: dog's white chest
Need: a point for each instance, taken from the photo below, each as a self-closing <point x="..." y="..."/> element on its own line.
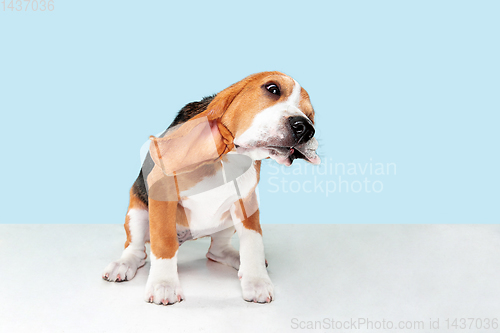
<point x="208" y="204"/>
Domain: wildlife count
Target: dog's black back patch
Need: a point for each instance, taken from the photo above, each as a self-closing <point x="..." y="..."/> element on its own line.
<point x="190" y="110"/>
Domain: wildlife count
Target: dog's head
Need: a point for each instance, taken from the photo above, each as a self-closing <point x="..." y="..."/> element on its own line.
<point x="265" y="115"/>
<point x="269" y="115"/>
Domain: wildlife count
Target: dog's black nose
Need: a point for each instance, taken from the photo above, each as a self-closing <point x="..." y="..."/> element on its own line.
<point x="302" y="129"/>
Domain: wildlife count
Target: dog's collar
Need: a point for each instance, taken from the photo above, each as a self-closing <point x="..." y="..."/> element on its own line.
<point x="227" y="137"/>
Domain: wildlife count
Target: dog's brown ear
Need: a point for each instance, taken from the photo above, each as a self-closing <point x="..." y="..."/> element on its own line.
<point x="214" y="113"/>
<point x="188" y="146"/>
<point x="222" y="101"/>
<point x="202" y="139"/>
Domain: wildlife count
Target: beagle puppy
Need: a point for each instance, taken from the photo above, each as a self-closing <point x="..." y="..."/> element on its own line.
<point x="199" y="178"/>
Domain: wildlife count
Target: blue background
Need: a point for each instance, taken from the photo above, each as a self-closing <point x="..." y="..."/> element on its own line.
<point x="415" y="83"/>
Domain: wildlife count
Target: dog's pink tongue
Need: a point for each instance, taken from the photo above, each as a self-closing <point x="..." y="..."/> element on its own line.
<point x="314" y="160"/>
<point x="311" y="155"/>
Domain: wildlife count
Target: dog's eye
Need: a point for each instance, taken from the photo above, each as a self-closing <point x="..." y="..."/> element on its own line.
<point x="273" y="89"/>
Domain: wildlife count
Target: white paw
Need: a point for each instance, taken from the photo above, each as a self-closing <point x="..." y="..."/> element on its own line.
<point x="228" y="256"/>
<point x="164" y="292"/>
<point x="123" y="269"/>
<point x="257" y="288"/>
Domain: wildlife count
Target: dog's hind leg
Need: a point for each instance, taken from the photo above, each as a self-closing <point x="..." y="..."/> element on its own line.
<point x="221" y="249"/>
<point x="134" y="255"/>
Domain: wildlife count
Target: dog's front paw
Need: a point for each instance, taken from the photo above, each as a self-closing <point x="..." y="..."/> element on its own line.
<point x="163" y="291"/>
<point x="122" y="270"/>
<point x="257" y="288"/>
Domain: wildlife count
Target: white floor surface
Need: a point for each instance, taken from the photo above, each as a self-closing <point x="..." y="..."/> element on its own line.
<point x="50" y="280"/>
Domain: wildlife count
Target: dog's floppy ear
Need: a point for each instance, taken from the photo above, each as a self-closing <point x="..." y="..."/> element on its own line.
<point x="188" y="146"/>
<point x="222" y="101"/>
<point x="200" y="140"/>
